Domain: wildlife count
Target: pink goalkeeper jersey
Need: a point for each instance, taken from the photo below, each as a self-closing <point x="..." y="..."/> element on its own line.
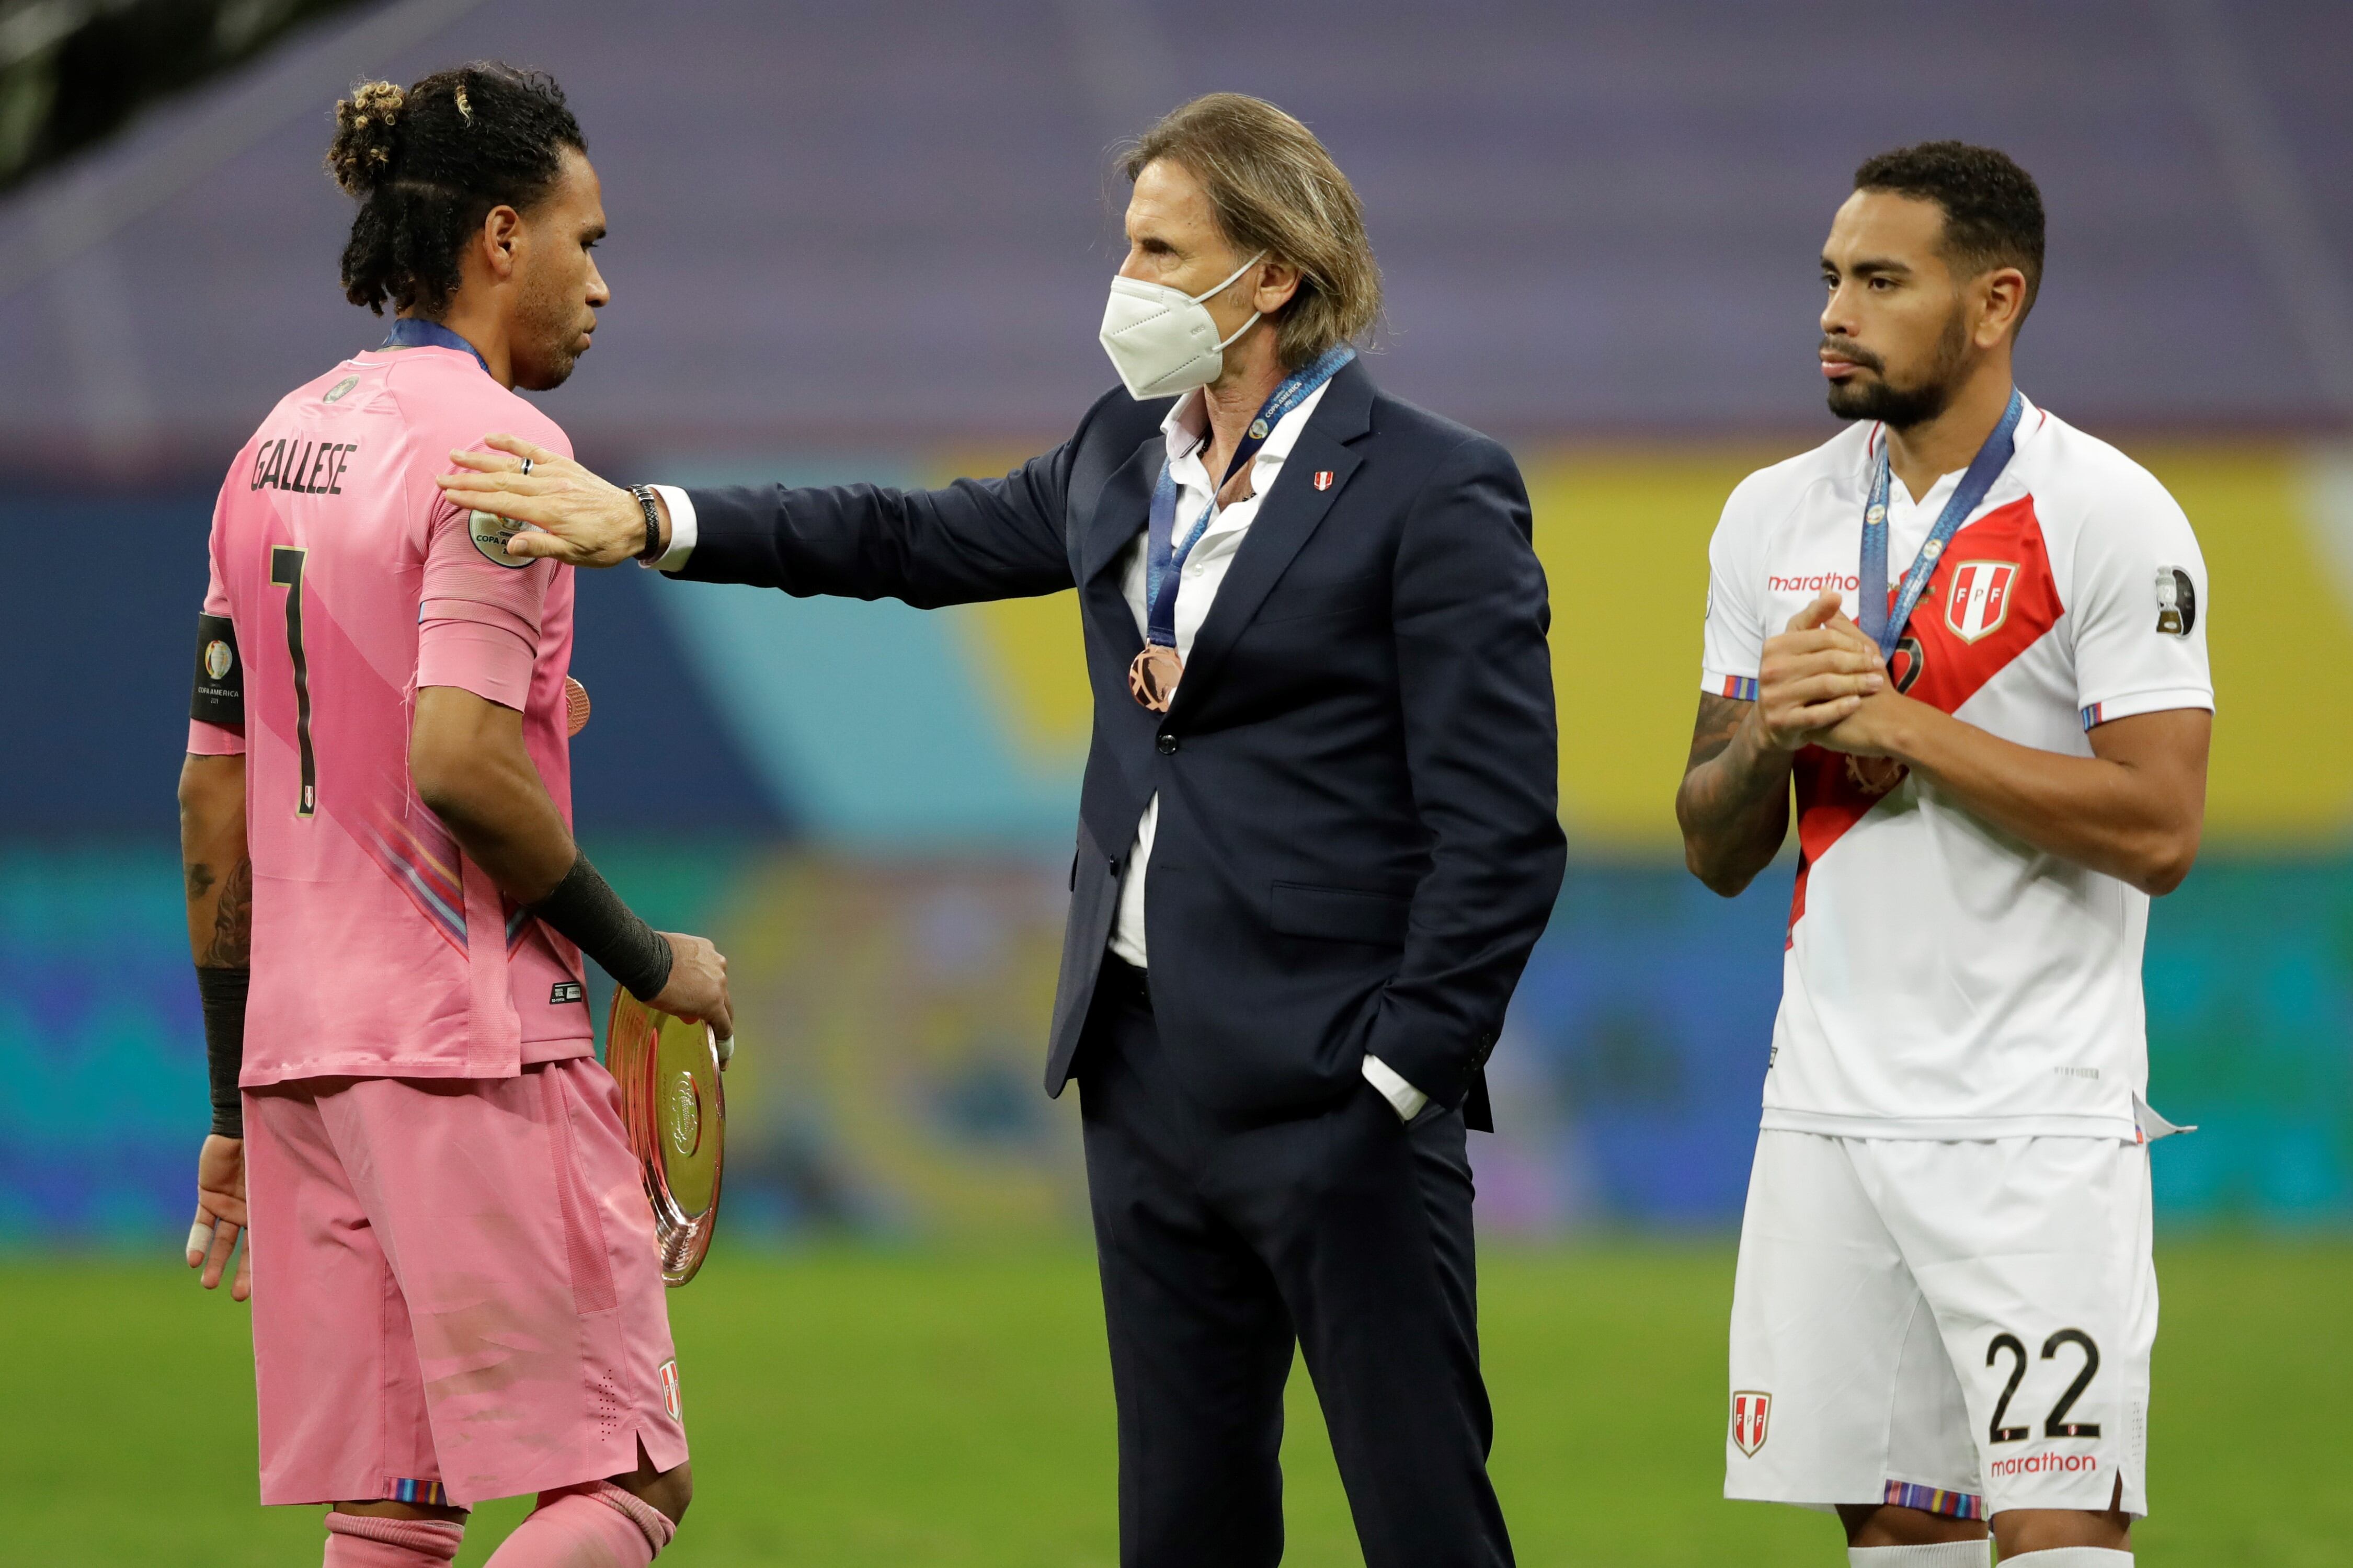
<point x="379" y="949"/>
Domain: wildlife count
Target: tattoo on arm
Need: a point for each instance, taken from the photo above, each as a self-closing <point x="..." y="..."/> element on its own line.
<point x="1719" y="720"/>
<point x="232" y="943"/>
<point x="1734" y="805"/>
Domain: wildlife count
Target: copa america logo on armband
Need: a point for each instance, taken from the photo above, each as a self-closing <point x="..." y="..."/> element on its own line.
<point x="491" y="534"/>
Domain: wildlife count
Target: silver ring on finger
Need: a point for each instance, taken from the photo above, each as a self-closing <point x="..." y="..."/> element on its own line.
<point x="526" y="467"/>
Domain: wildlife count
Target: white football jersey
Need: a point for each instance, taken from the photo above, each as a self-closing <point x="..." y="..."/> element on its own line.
<point x="1944" y="978"/>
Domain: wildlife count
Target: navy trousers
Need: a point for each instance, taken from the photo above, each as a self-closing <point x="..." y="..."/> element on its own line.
<point x="1223" y="1244"/>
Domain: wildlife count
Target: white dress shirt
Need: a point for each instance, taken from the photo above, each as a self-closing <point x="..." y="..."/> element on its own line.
<point x="682" y="529"/>
<point x="1186" y="431"/>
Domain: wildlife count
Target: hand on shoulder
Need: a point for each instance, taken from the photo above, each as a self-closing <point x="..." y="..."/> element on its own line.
<point x="580" y="518"/>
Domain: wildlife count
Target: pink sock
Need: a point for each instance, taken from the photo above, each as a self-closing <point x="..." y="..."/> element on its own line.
<point x="364" y="1540"/>
<point x="595" y="1526"/>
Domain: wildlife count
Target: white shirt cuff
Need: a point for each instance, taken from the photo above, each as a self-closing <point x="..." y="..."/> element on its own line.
<point x="682" y="528"/>
<point x="1408" y="1099"/>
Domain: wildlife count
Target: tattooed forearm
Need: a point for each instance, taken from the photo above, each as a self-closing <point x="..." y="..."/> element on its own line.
<point x="1734" y="805"/>
<point x="1719" y="720"/>
<point x="213" y="858"/>
<point x="232" y="943"/>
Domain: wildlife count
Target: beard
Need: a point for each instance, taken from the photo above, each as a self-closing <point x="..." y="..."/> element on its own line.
<point x="547" y="324"/>
<point x="1902" y="407"/>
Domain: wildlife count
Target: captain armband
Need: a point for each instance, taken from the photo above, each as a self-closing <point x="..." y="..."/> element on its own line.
<point x="219" y="696"/>
<point x="585" y="907"/>
<point x="223" y="992"/>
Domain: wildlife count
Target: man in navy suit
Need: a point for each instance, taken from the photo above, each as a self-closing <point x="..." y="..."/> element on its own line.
<point x="1316" y="842"/>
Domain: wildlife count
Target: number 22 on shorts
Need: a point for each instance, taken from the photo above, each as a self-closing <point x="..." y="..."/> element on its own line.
<point x="2056" y="1423"/>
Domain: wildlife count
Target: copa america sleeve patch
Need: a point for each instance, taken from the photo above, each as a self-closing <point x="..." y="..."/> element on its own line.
<point x="2176" y="601"/>
<point x="219" y="697"/>
<point x="491" y="533"/>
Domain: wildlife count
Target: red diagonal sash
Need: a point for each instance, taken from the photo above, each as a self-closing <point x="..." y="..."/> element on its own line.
<point x="2008" y="613"/>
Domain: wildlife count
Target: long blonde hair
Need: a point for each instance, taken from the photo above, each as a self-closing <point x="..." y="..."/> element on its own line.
<point x="1274" y="188"/>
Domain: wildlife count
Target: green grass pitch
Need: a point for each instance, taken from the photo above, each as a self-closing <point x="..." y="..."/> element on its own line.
<point x="952" y="1410"/>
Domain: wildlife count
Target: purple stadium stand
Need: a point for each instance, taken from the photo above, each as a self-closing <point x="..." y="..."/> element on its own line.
<point x="891" y="223"/>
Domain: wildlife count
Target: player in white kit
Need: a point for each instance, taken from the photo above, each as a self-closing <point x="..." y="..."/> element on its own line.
<point x="1971" y="640"/>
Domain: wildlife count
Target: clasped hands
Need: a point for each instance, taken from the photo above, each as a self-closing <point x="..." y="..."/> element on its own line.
<point x="1822" y="683"/>
<point x="575" y="517"/>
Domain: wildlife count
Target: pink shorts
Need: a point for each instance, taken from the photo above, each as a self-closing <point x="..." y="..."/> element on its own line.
<point x="455" y="1293"/>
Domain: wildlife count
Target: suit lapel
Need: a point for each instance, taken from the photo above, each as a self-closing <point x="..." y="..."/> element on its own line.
<point x="1121" y="512"/>
<point x="1286" y="519"/>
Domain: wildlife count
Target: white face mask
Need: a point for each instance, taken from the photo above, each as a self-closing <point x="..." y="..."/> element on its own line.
<point x="1162" y="339"/>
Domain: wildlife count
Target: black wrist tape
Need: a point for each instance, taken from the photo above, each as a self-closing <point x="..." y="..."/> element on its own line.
<point x="585" y="907"/>
<point x="223" y="991"/>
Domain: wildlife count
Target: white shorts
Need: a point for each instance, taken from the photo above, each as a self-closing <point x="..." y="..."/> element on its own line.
<point x="1959" y="1327"/>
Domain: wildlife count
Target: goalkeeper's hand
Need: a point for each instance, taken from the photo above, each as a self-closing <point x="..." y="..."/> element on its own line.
<point x="220" y="1216"/>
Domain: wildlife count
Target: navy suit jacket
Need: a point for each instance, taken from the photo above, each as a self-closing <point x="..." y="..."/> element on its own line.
<point x="1358" y="840"/>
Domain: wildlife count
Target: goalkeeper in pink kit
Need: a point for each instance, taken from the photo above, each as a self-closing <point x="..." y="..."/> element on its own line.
<point x="451" y="1259"/>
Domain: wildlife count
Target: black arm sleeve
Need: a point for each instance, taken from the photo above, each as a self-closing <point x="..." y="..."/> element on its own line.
<point x="585" y="907"/>
<point x="223" y="992"/>
<point x="973" y="540"/>
<point x="1475" y="682"/>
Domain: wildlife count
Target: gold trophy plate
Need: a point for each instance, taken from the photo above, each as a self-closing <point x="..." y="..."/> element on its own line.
<point x="675" y="1108"/>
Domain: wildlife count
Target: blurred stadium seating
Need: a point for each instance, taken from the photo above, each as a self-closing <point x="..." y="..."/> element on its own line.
<point x="871" y="242"/>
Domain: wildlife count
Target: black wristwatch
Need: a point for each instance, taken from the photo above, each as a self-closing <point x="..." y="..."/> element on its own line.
<point x="652" y="509"/>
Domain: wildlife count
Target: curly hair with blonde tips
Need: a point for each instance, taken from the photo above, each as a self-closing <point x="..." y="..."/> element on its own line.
<point x="365" y="123"/>
<point x="1274" y="188"/>
<point x="429" y="162"/>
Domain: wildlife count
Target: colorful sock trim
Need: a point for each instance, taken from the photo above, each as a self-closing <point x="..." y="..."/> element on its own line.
<point x="1929" y="1500"/>
<point x="407" y="1488"/>
<point x="435" y="1538"/>
<point x="651" y="1522"/>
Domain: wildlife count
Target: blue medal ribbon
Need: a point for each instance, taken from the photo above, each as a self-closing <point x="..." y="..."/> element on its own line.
<point x="417" y="333"/>
<point x="1884" y="626"/>
<point x="1163" y="558"/>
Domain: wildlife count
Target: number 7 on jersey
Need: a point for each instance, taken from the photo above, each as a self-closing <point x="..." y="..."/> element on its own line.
<point x="286" y="572"/>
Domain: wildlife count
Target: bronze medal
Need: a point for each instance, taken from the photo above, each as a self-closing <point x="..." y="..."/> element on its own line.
<point x="1154" y="676"/>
